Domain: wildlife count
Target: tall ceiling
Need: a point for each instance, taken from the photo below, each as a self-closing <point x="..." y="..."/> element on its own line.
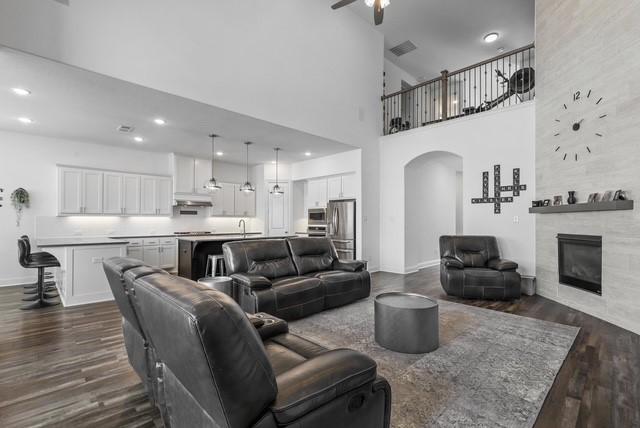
<point x="449" y="33"/>
<point x="75" y="104"/>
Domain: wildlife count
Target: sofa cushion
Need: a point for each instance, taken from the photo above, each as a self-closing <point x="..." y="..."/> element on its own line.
<point x="482" y="277"/>
<point x="296" y="290"/>
<point x="286" y="351"/>
<point x="265" y="257"/>
<point x="312" y="254"/>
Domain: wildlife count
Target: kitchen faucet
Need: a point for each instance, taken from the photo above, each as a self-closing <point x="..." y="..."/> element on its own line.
<point x="244" y="228"/>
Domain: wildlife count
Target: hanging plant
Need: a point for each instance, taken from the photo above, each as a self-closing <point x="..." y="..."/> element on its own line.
<point x="19" y="200"/>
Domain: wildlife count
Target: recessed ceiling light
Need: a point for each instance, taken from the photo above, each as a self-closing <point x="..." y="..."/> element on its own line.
<point x="219" y="153"/>
<point x="138" y="139"/>
<point x="25" y="120"/>
<point x="21" y="91"/>
<point x="454" y="102"/>
<point x="491" y="37"/>
<point x="500" y="50"/>
<point x="160" y="121"/>
<point x="307" y="153"/>
<point x="273" y="162"/>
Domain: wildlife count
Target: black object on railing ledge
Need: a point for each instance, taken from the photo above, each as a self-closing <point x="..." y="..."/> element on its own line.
<point x="504" y="80"/>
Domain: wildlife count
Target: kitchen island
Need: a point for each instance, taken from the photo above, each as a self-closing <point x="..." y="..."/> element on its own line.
<point x="80" y="278"/>
<point x="193" y="251"/>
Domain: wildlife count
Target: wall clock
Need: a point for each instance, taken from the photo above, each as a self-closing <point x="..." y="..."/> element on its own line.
<point x="581" y="118"/>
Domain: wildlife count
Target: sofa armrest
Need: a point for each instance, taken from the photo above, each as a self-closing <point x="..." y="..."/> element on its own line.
<point x="319" y="380"/>
<point x="267" y="325"/>
<point x="254" y="282"/>
<point x="349" y="265"/>
<point x="502" y="264"/>
<point x="450" y="262"/>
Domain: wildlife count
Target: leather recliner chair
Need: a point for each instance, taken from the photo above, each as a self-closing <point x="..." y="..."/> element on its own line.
<point x="471" y="267"/>
<point x="219" y="367"/>
<point x="293" y="278"/>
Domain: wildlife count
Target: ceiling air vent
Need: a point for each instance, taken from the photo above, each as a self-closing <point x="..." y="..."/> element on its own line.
<point x="403" y="48"/>
<point x="125" y="128"/>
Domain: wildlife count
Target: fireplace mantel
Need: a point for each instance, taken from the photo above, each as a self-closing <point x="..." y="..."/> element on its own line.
<point x="581" y="208"/>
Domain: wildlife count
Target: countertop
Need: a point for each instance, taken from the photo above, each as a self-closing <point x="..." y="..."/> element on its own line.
<point x="207" y="238"/>
<point x="173" y="235"/>
<point x="78" y="241"/>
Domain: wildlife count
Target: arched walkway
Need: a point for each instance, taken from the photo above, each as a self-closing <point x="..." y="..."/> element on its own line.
<point x="433" y="205"/>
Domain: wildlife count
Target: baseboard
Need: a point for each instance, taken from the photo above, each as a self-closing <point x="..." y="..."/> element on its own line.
<point x="421" y="265"/>
<point x="10" y="282"/>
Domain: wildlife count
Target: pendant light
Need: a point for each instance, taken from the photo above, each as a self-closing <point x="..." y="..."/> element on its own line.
<point x="247" y="186"/>
<point x="277" y="190"/>
<point x="212" y="185"/>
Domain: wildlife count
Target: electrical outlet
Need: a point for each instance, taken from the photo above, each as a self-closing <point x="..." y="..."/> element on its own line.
<point x="516" y="219"/>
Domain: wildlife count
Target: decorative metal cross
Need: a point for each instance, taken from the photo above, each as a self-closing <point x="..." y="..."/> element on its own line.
<point x="498" y="188"/>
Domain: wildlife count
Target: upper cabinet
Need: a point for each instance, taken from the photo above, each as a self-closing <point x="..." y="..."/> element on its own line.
<point x="245" y="205"/>
<point x="190" y="175"/>
<point x="341" y="187"/>
<point x="317" y="193"/>
<point x="95" y="192"/>
<point x="224" y="202"/>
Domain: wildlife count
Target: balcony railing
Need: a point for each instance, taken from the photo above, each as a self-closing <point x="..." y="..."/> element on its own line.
<point x="504" y="80"/>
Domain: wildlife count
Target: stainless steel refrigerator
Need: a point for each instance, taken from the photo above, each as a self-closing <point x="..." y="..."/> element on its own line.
<point x="341" y="227"/>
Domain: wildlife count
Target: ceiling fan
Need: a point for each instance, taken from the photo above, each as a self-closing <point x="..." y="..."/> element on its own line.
<point x="378" y="7"/>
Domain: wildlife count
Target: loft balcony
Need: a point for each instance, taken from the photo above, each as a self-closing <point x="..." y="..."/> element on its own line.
<point x="502" y="81"/>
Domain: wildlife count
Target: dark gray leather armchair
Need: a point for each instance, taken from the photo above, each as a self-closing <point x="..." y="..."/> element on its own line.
<point x="471" y="267"/>
<point x="293" y="278"/>
<point x="219" y="367"/>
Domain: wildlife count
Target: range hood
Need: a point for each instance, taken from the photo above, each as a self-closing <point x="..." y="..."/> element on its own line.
<point x="194" y="203"/>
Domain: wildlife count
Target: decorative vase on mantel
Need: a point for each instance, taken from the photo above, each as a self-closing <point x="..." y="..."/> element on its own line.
<point x="572" y="197"/>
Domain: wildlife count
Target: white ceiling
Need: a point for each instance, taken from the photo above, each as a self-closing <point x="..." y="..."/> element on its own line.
<point x="449" y="33"/>
<point x="70" y="103"/>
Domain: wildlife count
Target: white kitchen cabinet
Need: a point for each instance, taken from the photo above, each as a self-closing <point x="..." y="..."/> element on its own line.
<point x="92" y="192"/>
<point x="349" y="186"/>
<point x="112" y="193"/>
<point x="80" y="191"/>
<point x="151" y="255"/>
<point x="167" y="256"/>
<point x="245" y="203"/>
<point x="334" y="187"/>
<point x="183" y="174"/>
<point x="130" y="194"/>
<point x="202" y="174"/>
<point x="317" y="193"/>
<point x="135" y="252"/>
<point x="341" y="187"/>
<point x="224" y="200"/>
<point x="69" y="191"/>
<point x="155" y="195"/>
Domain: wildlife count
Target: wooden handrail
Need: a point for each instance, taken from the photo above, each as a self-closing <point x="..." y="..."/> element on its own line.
<point x="440" y="78"/>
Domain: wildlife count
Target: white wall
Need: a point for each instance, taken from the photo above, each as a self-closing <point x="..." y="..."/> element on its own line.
<point x="393" y="77"/>
<point x="504" y="137"/>
<point x="294" y="63"/>
<point x="431" y="204"/>
<point x="30" y="161"/>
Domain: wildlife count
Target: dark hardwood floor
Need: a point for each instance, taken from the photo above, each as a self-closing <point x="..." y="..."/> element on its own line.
<point x="68" y="367"/>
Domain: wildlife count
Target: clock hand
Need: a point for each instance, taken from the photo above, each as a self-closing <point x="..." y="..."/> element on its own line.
<point x="581" y="120"/>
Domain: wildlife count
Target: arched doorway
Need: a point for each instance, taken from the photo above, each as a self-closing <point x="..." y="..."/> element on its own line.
<point x="433" y="206"/>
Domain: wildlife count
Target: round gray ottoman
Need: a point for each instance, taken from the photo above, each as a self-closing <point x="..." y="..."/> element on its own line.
<point x="224" y="284"/>
<point x="406" y="322"/>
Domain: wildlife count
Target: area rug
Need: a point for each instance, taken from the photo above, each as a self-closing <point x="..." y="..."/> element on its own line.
<point x="492" y="369"/>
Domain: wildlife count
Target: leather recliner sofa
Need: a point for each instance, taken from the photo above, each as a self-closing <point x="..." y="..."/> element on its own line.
<point x="216" y="366"/>
<point x="471" y="268"/>
<point x="293" y="278"/>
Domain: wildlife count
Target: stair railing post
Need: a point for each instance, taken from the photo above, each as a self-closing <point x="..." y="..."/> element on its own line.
<point x="444" y="85"/>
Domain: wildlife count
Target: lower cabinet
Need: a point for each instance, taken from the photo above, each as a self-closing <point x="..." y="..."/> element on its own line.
<point x="156" y="252"/>
<point x="80" y="279"/>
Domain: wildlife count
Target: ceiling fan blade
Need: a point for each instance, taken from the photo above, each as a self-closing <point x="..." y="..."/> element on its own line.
<point x="378" y="12"/>
<point x="342" y="3"/>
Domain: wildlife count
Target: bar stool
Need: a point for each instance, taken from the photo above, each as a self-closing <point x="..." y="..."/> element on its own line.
<point x="39" y="261"/>
<point x="49" y="284"/>
<point x="213" y="262"/>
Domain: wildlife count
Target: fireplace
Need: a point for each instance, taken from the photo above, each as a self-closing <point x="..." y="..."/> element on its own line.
<point x="580" y="261"/>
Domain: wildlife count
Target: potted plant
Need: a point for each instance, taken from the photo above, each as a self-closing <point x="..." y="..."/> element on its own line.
<point x="19" y="200"/>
